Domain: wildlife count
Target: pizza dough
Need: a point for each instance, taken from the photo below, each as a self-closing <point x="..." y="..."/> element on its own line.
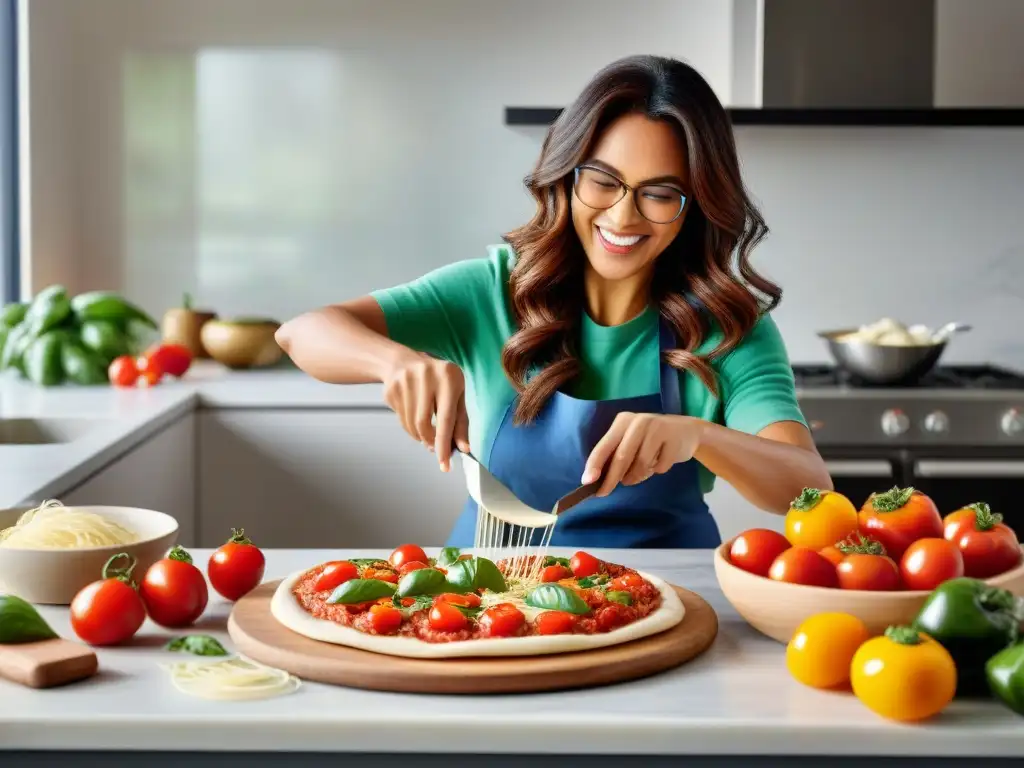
<point x="287" y="610"/>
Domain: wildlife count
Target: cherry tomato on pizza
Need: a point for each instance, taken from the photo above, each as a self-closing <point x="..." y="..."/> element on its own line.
<point x="407" y="553"/>
<point x="384" y="619"/>
<point x="174" y="591"/>
<point x="625" y="582"/>
<point x="989" y="547"/>
<point x="802" y="565"/>
<point x="555" y="573"/>
<point x="109" y="611"/>
<point x="555" y="623"/>
<point x="899" y="517"/>
<point x="336" y="573"/>
<point x="502" y="620"/>
<point x="929" y="562"/>
<point x="584" y="564"/>
<point x="413" y="565"/>
<point x="469" y="600"/>
<point x="446" y="617"/>
<point x="236" y="567"/>
<point x="755" y="550"/>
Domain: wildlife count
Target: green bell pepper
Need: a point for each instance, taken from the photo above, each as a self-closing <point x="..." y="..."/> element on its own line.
<point x="42" y="362"/>
<point x="80" y="365"/>
<point x="50" y="307"/>
<point x="1005" y="673"/>
<point x="973" y="621"/>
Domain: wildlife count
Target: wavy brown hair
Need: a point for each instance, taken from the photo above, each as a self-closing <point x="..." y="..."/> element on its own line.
<point x="704" y="275"/>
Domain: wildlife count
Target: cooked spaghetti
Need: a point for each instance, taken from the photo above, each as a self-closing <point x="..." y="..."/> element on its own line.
<point x="51" y="525"/>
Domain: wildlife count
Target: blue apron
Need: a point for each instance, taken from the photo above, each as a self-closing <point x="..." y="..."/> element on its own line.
<point x="543" y="461"/>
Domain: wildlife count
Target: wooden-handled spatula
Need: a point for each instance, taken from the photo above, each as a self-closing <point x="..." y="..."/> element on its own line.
<point x="47" y="663"/>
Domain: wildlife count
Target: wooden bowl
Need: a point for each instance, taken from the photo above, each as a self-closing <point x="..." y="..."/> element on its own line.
<point x="242" y="343"/>
<point x="777" y="608"/>
<point x="54" y="576"/>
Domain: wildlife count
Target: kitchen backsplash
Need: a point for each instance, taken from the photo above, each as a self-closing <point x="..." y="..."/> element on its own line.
<point x="268" y="157"/>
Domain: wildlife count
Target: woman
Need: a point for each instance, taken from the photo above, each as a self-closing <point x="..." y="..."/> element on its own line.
<point x="621" y="335"/>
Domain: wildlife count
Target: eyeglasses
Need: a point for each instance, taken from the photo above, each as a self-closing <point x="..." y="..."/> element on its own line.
<point x="658" y="203"/>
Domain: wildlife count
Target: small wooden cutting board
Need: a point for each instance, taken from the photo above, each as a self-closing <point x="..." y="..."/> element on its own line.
<point x="47" y="663"/>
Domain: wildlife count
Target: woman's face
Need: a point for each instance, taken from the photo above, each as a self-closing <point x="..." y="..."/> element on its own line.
<point x="619" y="242"/>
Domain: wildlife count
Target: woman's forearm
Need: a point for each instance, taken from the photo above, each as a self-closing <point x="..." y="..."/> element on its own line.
<point x="334" y="345"/>
<point x="767" y="473"/>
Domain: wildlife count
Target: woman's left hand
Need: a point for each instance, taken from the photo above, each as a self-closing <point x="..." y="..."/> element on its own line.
<point x="640" y="445"/>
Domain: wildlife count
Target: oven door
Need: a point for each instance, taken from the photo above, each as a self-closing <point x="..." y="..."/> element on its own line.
<point x="858" y="477"/>
<point x="954" y="483"/>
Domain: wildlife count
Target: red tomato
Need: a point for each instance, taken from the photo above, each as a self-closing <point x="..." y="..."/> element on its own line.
<point x="445" y="617"/>
<point x="123" y="372"/>
<point x="899" y="517"/>
<point x="468" y="600"/>
<point x="583" y="564"/>
<point x="801" y="565"/>
<point x="555" y="623"/>
<point x="876" y="573"/>
<point x="109" y="611"/>
<point x="612" y="615"/>
<point x="555" y="573"/>
<point x="832" y="554"/>
<point x="929" y="562"/>
<point x="381" y="575"/>
<point x="626" y="581"/>
<point x="169" y="359"/>
<point x="412" y="565"/>
<point x="237" y="567"/>
<point x="150" y="373"/>
<point x="384" y="619"/>
<point x="503" y="620"/>
<point x="755" y="550"/>
<point x="988" y="546"/>
<point x="407" y="553"/>
<point x="174" y="590"/>
<point x="334" y="574"/>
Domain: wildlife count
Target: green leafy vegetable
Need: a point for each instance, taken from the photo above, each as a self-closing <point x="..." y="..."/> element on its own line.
<point x="475" y="573"/>
<point x="555" y="597"/>
<point x="200" y="645"/>
<point x="424" y="581"/>
<point x="597" y="580"/>
<point x="361" y="591"/>
<point x="620" y="597"/>
<point x="552" y="560"/>
<point x="448" y="556"/>
<point x="420" y="603"/>
<point x="365" y="562"/>
<point x="20" y="622"/>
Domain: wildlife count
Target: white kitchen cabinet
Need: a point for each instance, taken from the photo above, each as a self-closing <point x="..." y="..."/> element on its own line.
<point x="321" y="478"/>
<point x="158" y="474"/>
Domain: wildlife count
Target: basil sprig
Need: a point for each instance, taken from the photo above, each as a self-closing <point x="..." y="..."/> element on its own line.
<point x="200" y="645"/>
<point x="447" y="556"/>
<point x="423" y="581"/>
<point x="475" y="573"/>
<point x="361" y="591"/>
<point x="20" y="622"/>
<point x="555" y="597"/>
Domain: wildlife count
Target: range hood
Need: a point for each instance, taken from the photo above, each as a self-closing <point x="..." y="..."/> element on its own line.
<point x="878" y="54"/>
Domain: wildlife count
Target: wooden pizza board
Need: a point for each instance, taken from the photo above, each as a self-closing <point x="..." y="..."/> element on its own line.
<point x="258" y="635"/>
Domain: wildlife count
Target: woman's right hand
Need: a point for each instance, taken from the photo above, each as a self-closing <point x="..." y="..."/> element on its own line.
<point x="418" y="387"/>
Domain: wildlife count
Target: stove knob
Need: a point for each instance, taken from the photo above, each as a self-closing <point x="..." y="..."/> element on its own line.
<point x="1012" y="422"/>
<point x="895" y="422"/>
<point x="936" y="422"/>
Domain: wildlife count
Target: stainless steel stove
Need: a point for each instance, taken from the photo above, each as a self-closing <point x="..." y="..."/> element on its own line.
<point x="957" y="434"/>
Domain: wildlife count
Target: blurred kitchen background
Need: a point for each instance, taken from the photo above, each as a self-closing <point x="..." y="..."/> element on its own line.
<point x="269" y="156"/>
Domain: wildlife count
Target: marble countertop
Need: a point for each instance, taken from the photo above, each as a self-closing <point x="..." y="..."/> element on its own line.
<point x="735" y="699"/>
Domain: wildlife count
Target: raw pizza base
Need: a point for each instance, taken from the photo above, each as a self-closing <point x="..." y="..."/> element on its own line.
<point x="287" y="610"/>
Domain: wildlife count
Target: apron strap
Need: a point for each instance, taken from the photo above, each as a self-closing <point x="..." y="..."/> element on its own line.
<point x="671" y="401"/>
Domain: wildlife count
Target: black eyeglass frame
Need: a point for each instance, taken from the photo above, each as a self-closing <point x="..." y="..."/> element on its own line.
<point x="626" y="189"/>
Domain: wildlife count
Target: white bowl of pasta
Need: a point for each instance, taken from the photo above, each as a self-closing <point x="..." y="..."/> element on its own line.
<point x="48" y="553"/>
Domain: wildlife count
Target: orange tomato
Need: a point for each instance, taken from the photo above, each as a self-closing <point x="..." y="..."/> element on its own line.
<point x="755" y="550"/>
<point x="817" y="519"/>
<point x="832" y="554"/>
<point x="800" y="565"/>
<point x="384" y="619"/>
<point x="822" y="648"/>
<point x="929" y="562"/>
<point x="988" y="546"/>
<point x="898" y="518"/>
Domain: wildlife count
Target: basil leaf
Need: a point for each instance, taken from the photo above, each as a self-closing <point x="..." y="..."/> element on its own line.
<point x="620" y="597"/>
<point x="419" y="603"/>
<point x="424" y="581"/>
<point x="475" y="573"/>
<point x="20" y="622"/>
<point x="587" y="582"/>
<point x="361" y="591"/>
<point x="448" y="556"/>
<point x="555" y="597"/>
<point x="200" y="645"/>
<point x="552" y="560"/>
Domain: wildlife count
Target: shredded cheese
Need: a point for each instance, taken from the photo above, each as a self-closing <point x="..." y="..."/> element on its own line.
<point x="234" y="679"/>
<point x="51" y="525"/>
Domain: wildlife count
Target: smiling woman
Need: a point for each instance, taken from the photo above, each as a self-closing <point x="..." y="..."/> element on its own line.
<point x="620" y="335"/>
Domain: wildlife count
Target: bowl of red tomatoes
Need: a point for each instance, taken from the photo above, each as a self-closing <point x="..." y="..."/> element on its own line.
<point x="878" y="562"/>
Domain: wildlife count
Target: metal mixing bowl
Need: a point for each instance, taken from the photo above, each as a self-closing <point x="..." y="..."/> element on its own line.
<point x="882" y="364"/>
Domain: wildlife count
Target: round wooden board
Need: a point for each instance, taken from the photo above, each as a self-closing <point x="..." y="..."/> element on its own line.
<point x="258" y="635"/>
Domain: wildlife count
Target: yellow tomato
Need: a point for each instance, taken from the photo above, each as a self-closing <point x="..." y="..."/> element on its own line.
<point x="818" y="519"/>
<point x="822" y="649"/>
<point x="904" y="675"/>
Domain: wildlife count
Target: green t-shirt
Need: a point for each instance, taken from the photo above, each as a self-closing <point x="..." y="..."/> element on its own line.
<point x="460" y="313"/>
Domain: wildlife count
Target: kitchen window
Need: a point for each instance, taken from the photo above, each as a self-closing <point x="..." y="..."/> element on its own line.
<point x="9" y="261"/>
